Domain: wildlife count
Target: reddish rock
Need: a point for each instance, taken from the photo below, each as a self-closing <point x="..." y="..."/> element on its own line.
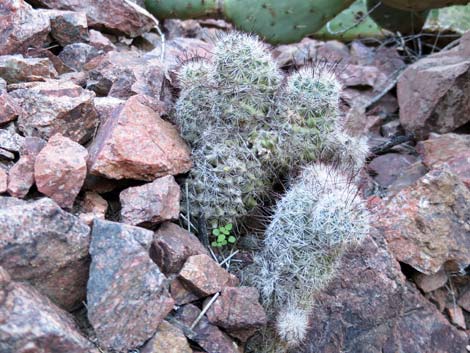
<point x="172" y="245"/>
<point x="76" y="55"/>
<point x="433" y="93"/>
<point x="238" y="311"/>
<point x="9" y="109"/>
<point x="68" y="27"/>
<point x="16" y="68"/>
<point x="168" y="339"/>
<point x="426" y="224"/>
<point x="99" y="41"/>
<point x="151" y="203"/>
<point x="387" y="168"/>
<point x="464" y="300"/>
<point x="456" y="317"/>
<point x="408" y="176"/>
<point x="60" y="170"/>
<point x="22" y="27"/>
<point x="59" y="66"/>
<point x="127" y="295"/>
<point x="112" y="16"/>
<point x="387" y="314"/>
<point x="137" y="144"/>
<point x="208" y="336"/>
<point x="429" y="283"/>
<point x="21" y="175"/>
<point x="45" y="246"/>
<point x="57" y="107"/>
<point x="105" y="106"/>
<point x="3" y="181"/>
<point x="204" y="276"/>
<point x="181" y="294"/>
<point x="29" y="322"/>
<point x="92" y="206"/>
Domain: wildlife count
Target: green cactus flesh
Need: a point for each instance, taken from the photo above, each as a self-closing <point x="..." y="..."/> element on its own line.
<point x="183" y="9"/>
<point x="420" y="5"/>
<point x="455" y="19"/>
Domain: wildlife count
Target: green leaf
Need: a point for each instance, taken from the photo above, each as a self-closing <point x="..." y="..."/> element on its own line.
<point x="229" y="226"/>
<point x="231" y="239"/>
<point x="220" y="238"/>
<point x="214" y="244"/>
<point x="224" y="242"/>
<point x="216" y="232"/>
<point x="226" y="232"/>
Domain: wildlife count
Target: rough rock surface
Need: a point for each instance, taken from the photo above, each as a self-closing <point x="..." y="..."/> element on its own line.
<point x="137" y="144"/>
<point x="92" y="206"/>
<point x="16" y="68"/>
<point x="181" y="294"/>
<point x="21" y="175"/>
<point x="388" y="167"/>
<point x="167" y="339"/>
<point x="429" y="283"/>
<point x="172" y="245"/>
<point x="208" y="336"/>
<point x="238" y="311"/>
<point x="3" y="181"/>
<point x="151" y="203"/>
<point x="68" y="27"/>
<point x="204" y="276"/>
<point x="127" y="294"/>
<point x="29" y="322"/>
<point x="22" y="27"/>
<point x="369" y="307"/>
<point x="10" y="140"/>
<point x="57" y="107"/>
<point x="60" y="170"/>
<point x="9" y="109"/>
<point x="433" y="93"/>
<point x="45" y="246"/>
<point x="76" y="55"/>
<point x="427" y="224"/>
<point x="110" y="15"/>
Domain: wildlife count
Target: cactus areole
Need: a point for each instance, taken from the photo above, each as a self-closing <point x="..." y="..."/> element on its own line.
<point x="276" y="21"/>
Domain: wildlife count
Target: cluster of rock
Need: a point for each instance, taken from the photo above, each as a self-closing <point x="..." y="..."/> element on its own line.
<point x="87" y="176"/>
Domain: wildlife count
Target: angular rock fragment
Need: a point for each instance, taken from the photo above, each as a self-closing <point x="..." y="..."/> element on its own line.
<point x="204" y="276"/>
<point x="3" y="181"/>
<point x="181" y="294"/>
<point x="151" y="203"/>
<point x="76" y="55"/>
<point x="127" y="295"/>
<point x="92" y="206"/>
<point x="16" y="68"/>
<point x="99" y="41"/>
<point x="9" y="109"/>
<point x="68" y="27"/>
<point x="167" y="339"/>
<point x="137" y="144"/>
<point x="429" y="283"/>
<point x="45" y="246"/>
<point x="60" y="170"/>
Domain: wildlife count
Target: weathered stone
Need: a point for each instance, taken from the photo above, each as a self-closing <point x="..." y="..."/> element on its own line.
<point x="3" y="181"/>
<point x="433" y="93"/>
<point x="388" y="167"/>
<point x="29" y="322"/>
<point x="238" y="311"/>
<point x="427" y="224"/>
<point x="181" y="294"/>
<point x="429" y="283"/>
<point x="45" y="246"/>
<point x="21" y="175"/>
<point x="16" y="68"/>
<point x="22" y="27"/>
<point x="68" y="27"/>
<point x="92" y="206"/>
<point x="105" y="106"/>
<point x="208" y="336"/>
<point x="112" y="16"/>
<point x="76" y="55"/>
<point x="204" y="276"/>
<point x="369" y="307"/>
<point x="408" y="176"/>
<point x="9" y="109"/>
<point x="464" y="300"/>
<point x="151" y="203"/>
<point x="168" y="339"/>
<point x="127" y="294"/>
<point x="99" y="41"/>
<point x="60" y="170"/>
<point x="172" y="245"/>
<point x="57" y="107"/>
<point x="46" y="53"/>
<point x="137" y="144"/>
<point x="10" y="140"/>
<point x="456" y="317"/>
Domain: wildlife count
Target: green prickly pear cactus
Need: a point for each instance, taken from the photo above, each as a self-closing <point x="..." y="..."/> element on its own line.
<point x="421" y="5"/>
<point x="276" y="21"/>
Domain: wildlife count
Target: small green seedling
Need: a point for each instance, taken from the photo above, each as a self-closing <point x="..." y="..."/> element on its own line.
<point x="222" y="236"/>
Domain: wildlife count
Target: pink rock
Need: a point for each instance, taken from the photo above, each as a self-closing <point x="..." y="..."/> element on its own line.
<point x="3" y="181"/>
<point x="29" y="322"/>
<point x="92" y="206"/>
<point x="105" y="106"/>
<point x="172" y="245"/>
<point x="16" y="68"/>
<point x="76" y="55"/>
<point x="127" y="295"/>
<point x="151" y="203"/>
<point x="57" y="107"/>
<point x="456" y="317"/>
<point x="168" y="339"/>
<point x="21" y="27"/>
<point x="181" y="294"/>
<point x="204" y="276"/>
<point x="60" y="170"/>
<point x="432" y="94"/>
<point x="115" y="16"/>
<point x="387" y="168"/>
<point x="464" y="300"/>
<point x="21" y="175"/>
<point x="238" y="311"/>
<point x="99" y="41"/>
<point x="426" y="224"/>
<point x="429" y="283"/>
<point x="68" y="27"/>
<point x="45" y="246"/>
<point x="9" y="109"/>
<point x="137" y="144"/>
